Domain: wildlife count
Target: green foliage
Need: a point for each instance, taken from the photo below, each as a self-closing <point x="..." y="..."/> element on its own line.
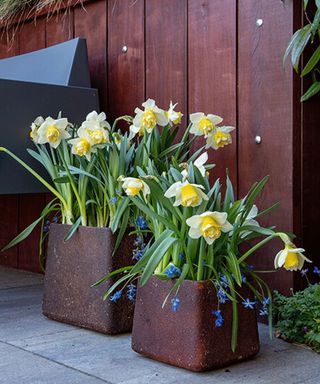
<point x="307" y="37"/>
<point x="298" y="317"/>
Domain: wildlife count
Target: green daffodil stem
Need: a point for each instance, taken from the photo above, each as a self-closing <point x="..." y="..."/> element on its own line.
<point x="201" y="260"/>
<point x="256" y="247"/>
<point x="183" y="140"/>
<point x="75" y="191"/>
<point x="37" y="176"/>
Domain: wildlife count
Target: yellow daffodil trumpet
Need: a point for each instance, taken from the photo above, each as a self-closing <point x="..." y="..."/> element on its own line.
<point x="186" y="194"/>
<point x="209" y="225"/>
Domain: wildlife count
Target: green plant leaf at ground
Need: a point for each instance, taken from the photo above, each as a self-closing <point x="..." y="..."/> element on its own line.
<point x="298" y="317"/>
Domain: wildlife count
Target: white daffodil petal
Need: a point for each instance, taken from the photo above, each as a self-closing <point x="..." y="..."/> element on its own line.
<point x="150" y="103"/>
<point x="196" y="117"/>
<point x="203" y="195"/>
<point x="172" y="190"/>
<point x="194" y="221"/>
<point x="276" y="260"/>
<point x="282" y="257"/>
<point x="194" y="233"/>
<point x="215" y="119"/>
<point x="226" y="227"/>
<point x="201" y="160"/>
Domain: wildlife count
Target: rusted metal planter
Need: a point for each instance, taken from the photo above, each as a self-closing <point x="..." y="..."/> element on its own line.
<point x="188" y="338"/>
<point x="73" y="266"/>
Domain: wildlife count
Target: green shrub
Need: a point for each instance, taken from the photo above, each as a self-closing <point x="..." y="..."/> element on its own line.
<point x="298" y="317"/>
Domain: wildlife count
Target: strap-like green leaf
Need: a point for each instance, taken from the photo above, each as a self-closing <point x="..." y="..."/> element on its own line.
<point x="313" y="90"/>
<point x="313" y="61"/>
<point x="73" y="229"/>
<point x="304" y="36"/>
<point x="155" y="259"/>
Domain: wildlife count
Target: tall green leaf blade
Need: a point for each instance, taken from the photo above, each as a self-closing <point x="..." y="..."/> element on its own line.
<point x="122" y="230"/>
<point x="145" y="209"/>
<point x="145" y="258"/>
<point x="73" y="229"/>
<point x="301" y="42"/>
<point x="313" y="90"/>
<point x="155" y="259"/>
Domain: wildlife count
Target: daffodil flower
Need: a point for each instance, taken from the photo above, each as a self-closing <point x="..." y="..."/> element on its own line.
<point x="210" y="225"/>
<point x="291" y="257"/>
<point x="186" y="194"/>
<point x="147" y="120"/>
<point x="173" y="116"/>
<point x="97" y="121"/>
<point x="133" y="186"/>
<point x="199" y="163"/>
<point x="53" y="131"/>
<point x="34" y="129"/>
<point x="97" y="127"/>
<point x="203" y="124"/>
<point x="219" y="138"/>
<point x="83" y="145"/>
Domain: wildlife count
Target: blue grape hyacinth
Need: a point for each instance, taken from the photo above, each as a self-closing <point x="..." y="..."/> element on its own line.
<point x="175" y="302"/>
<point x="219" y="318"/>
<point x="116" y="296"/>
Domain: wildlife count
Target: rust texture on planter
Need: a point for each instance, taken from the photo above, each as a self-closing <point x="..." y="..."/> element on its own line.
<point x="188" y="338"/>
<point x="73" y="266"/>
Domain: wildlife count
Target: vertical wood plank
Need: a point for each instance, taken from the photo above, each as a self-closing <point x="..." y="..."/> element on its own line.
<point x="31" y="38"/>
<point x="265" y="109"/>
<point x="9" y="204"/>
<point x="212" y="71"/>
<point x="166" y="53"/>
<point x="91" y="23"/>
<point x="126" y="70"/>
<point x="59" y="28"/>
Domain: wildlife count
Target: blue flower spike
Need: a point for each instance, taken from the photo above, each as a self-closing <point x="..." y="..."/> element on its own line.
<point x="304" y="272"/>
<point x="264" y="311"/>
<point x="219" y="318"/>
<point x="249" y="304"/>
<point x="222" y="296"/>
<point x="114" y="200"/>
<point x="172" y="271"/>
<point x="316" y="270"/>
<point x="131" y="292"/>
<point x="116" y="296"/>
<point x="175" y="302"/>
<point x="142" y="223"/>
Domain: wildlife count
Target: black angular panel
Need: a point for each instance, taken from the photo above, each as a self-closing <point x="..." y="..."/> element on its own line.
<point x="40" y="83"/>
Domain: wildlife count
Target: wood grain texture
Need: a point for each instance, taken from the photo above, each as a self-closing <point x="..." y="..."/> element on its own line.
<point x="9" y="204"/>
<point x="126" y="83"/>
<point x="166" y="54"/>
<point x="212" y="71"/>
<point x="265" y="109"/>
<point x="91" y="23"/>
<point x="32" y="36"/>
<point x="59" y="28"/>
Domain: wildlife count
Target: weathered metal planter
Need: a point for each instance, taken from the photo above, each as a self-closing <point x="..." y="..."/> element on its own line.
<point x="188" y="338"/>
<point x="73" y="266"/>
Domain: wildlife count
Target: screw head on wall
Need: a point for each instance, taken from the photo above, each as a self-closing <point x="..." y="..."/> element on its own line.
<point x="259" y="22"/>
<point x="258" y="139"/>
<point x="124" y="49"/>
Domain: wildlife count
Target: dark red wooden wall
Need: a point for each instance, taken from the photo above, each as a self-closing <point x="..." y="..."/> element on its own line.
<point x="207" y="55"/>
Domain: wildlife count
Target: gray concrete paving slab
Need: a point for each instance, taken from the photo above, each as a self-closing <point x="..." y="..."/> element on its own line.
<point x="34" y="349"/>
<point x="18" y="366"/>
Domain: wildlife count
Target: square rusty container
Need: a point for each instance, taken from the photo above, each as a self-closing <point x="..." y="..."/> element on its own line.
<point x="188" y="338"/>
<point x="73" y="266"/>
